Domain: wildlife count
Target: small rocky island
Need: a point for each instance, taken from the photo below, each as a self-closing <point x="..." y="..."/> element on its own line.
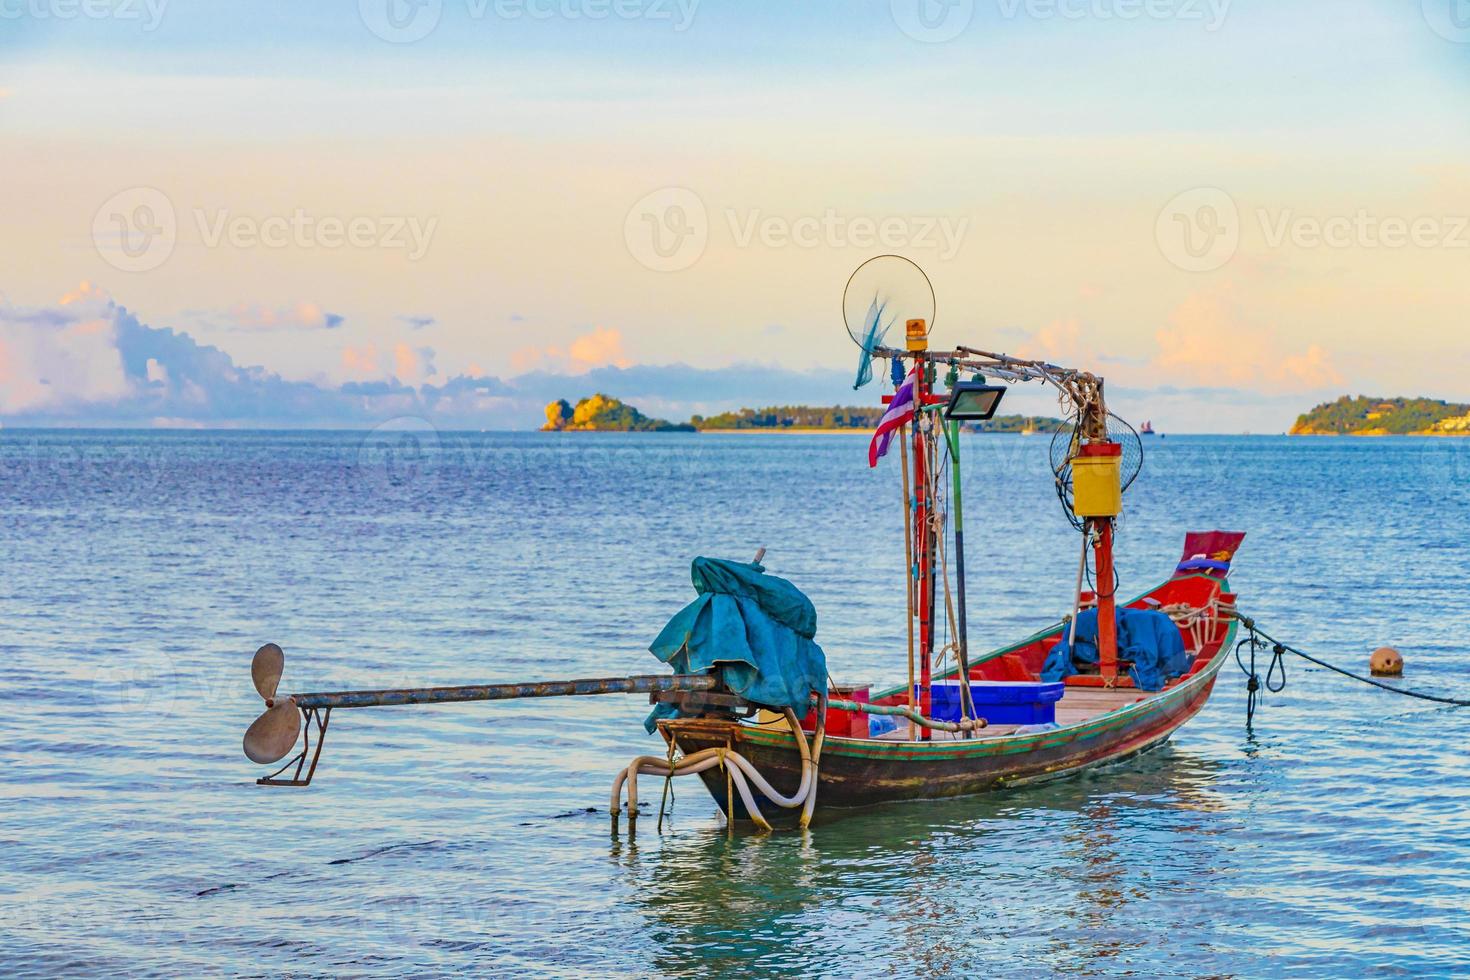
<point x="603" y="413"/>
<point x="1364" y="416"/>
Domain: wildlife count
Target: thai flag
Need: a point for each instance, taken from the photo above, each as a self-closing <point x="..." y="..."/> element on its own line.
<point x="900" y="411"/>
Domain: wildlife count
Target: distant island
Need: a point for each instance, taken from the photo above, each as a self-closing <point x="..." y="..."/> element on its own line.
<point x="603" y="413"/>
<point x="1364" y="416"/>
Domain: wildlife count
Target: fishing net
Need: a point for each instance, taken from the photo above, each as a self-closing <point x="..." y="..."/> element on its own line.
<point x="879" y="321"/>
<point x="1065" y="444"/>
<point x="884" y="291"/>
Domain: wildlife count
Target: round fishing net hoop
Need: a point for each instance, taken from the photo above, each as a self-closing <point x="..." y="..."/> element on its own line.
<point x="1065" y="444"/>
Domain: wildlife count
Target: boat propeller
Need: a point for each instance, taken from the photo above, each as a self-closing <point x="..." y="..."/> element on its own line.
<point x="271" y="736"/>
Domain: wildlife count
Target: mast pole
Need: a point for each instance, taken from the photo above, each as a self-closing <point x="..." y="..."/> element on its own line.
<point x="918" y="344"/>
<point x="1107" y="623"/>
<point x="967" y="700"/>
<point x="908" y="560"/>
<point x="1100" y="522"/>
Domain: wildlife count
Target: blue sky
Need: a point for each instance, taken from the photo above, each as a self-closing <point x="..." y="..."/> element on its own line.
<point x="503" y="167"/>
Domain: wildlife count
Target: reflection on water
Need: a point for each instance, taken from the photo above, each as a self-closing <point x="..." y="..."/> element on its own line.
<point x="1072" y="863"/>
<point x="144" y="570"/>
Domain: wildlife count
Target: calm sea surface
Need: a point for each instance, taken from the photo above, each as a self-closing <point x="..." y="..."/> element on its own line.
<point x="141" y="571"/>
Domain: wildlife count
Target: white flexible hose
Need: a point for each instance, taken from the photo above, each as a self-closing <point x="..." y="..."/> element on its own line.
<point x="740" y="769"/>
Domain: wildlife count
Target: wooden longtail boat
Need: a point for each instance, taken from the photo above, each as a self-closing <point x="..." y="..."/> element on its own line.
<point x="730" y="712"/>
<point x="1101" y="717"/>
<point x="1097" y="724"/>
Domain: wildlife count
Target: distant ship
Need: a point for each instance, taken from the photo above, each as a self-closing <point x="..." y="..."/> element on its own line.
<point x="1146" y="429"/>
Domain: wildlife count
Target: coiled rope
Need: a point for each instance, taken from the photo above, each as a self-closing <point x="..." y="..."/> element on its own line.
<point x="1275" y="679"/>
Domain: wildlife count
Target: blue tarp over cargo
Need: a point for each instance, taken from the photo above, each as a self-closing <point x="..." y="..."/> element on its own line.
<point x="1145" y="636"/>
<point x="755" y="629"/>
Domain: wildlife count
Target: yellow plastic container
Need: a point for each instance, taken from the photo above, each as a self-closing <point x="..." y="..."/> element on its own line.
<point x="1097" y="485"/>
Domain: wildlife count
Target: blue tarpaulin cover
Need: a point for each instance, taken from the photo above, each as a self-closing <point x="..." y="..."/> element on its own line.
<point x="756" y="629"/>
<point x="1147" y="637"/>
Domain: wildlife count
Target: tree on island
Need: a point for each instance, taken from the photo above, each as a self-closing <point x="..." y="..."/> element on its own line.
<point x="603" y="413"/>
<point x="1365" y="415"/>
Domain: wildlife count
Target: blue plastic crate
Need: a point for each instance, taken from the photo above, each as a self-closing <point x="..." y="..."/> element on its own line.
<point x="1001" y="702"/>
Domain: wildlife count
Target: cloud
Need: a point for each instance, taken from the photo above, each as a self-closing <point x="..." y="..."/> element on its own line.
<point x="418" y="322"/>
<point x="1060" y="342"/>
<point x="360" y="362"/>
<point x="602" y="347"/>
<point x="413" y="364"/>
<point x="84" y="293"/>
<point x="91" y="362"/>
<point x="57" y="357"/>
<point x="403" y="363"/>
<point x="1211" y="340"/>
<point x="302" y="316"/>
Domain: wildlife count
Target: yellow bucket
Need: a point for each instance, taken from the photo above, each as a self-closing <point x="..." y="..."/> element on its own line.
<point x="1097" y="481"/>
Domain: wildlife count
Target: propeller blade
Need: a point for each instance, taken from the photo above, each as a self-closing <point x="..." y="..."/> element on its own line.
<point x="273" y="734"/>
<point x="266" y="669"/>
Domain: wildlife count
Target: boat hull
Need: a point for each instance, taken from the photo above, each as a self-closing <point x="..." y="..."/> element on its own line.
<point x="856" y="773"/>
<point x="865" y="772"/>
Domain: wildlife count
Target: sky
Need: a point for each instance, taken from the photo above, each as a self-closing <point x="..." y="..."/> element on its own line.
<point x="348" y="211"/>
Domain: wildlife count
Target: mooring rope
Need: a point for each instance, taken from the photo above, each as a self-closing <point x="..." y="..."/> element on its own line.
<point x="1275" y="680"/>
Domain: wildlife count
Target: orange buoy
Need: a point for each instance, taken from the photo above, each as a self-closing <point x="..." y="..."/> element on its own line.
<point x="1386" y="662"/>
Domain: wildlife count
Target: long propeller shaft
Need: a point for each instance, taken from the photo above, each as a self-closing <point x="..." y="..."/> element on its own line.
<point x="644" y="684"/>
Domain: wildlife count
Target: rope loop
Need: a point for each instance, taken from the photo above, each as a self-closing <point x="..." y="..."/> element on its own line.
<point x="1275" y="681"/>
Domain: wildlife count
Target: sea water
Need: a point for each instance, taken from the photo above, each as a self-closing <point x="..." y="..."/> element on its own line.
<point x="141" y="571"/>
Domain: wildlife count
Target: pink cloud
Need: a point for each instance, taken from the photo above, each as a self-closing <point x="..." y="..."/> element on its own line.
<point x="603" y="347"/>
<point x="409" y="365"/>
<point x="1211" y="340"/>
<point x="301" y="316"/>
<point x="58" y="357"/>
<point x="360" y="362"/>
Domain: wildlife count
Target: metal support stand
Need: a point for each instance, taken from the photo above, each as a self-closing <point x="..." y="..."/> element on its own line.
<point x="309" y="716"/>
